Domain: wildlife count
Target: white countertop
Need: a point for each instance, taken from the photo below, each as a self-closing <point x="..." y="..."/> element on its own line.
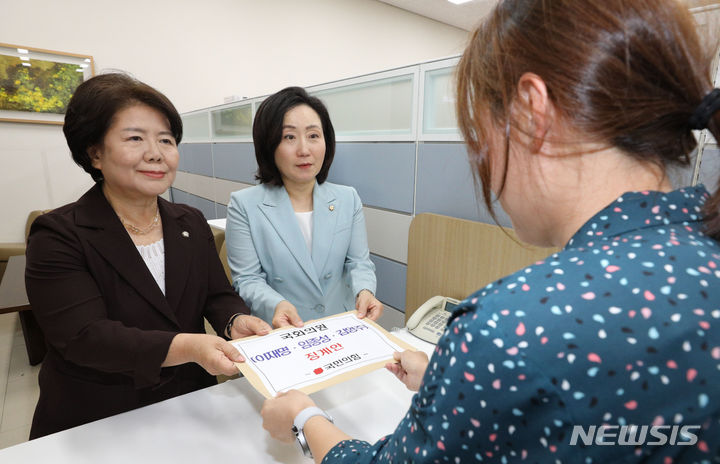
<point x="220" y="424"/>
<point x="218" y="223"/>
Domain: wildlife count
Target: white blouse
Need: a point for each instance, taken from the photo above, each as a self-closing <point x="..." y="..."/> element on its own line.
<point x="154" y="257"/>
<point x="305" y="222"/>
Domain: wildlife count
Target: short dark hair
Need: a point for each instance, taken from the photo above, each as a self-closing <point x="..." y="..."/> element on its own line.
<point x="267" y="132"/>
<point x="94" y="105"/>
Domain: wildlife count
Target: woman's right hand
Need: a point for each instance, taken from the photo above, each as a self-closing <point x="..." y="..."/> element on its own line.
<point x="211" y="352"/>
<point x="286" y="315"/>
<point x="410" y="368"/>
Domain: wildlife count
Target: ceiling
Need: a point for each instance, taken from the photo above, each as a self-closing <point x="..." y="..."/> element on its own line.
<point x="467" y="15"/>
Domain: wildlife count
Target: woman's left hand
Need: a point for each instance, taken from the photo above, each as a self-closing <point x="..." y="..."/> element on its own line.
<point x="367" y="305"/>
<point x="244" y="326"/>
<point x="279" y="413"/>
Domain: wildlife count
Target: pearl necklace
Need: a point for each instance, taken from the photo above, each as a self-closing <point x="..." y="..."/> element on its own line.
<point x="141" y="231"/>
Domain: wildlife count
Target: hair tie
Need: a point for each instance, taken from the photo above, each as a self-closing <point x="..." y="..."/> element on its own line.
<point x="705" y="110"/>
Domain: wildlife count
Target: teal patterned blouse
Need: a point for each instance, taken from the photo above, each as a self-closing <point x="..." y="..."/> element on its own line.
<point x="618" y="333"/>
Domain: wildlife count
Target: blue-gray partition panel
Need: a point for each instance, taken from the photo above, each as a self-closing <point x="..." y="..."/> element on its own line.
<point x="196" y="158"/>
<point x="184" y="160"/>
<point x="382" y="173"/>
<point x="205" y="206"/>
<point x="221" y="210"/>
<point x="391" y="281"/>
<point x="710" y="168"/>
<point x="681" y="176"/>
<point x="235" y="161"/>
<point x="445" y="185"/>
<point x="178" y="196"/>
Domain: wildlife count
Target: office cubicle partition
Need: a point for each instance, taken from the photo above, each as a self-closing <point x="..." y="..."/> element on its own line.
<point x="397" y="143"/>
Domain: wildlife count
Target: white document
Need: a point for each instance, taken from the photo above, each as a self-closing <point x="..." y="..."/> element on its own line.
<point x="299" y="358"/>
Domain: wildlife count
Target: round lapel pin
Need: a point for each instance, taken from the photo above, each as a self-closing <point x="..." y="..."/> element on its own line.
<point x="185" y="233"/>
<point x="331" y="207"/>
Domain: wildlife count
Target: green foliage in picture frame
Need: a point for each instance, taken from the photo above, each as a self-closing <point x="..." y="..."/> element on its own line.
<point x="45" y="87"/>
<point x="36" y="85"/>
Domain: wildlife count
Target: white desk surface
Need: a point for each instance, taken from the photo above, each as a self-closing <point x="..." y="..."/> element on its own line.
<point x="219" y="223"/>
<point x="220" y="424"/>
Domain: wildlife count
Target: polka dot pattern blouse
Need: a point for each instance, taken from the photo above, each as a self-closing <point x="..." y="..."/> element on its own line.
<point x="620" y="329"/>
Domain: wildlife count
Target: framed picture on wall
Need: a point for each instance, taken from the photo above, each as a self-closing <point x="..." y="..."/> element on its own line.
<point x="36" y="85"/>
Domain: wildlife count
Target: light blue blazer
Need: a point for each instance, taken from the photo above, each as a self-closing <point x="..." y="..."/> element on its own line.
<point x="270" y="260"/>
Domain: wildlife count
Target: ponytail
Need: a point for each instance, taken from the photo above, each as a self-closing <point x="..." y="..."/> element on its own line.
<point x="632" y="75"/>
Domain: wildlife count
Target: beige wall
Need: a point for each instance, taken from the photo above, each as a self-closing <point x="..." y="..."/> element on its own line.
<point x="36" y="172"/>
<point x="197" y="52"/>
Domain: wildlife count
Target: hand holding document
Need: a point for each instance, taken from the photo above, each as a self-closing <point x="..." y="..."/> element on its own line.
<point x="322" y="353"/>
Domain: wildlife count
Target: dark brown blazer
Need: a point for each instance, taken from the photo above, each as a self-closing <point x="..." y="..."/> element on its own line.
<point x="107" y="324"/>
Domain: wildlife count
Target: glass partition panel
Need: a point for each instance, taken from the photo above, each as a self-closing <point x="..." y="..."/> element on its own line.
<point x="232" y="122"/>
<point x="195" y="127"/>
<point x="439" y="102"/>
<point x="380" y="107"/>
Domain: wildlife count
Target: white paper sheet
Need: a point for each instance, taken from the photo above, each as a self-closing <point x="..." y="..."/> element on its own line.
<point x="295" y="358"/>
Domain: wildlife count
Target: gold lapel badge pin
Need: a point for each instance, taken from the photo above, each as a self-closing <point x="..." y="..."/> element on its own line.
<point x="331" y="207"/>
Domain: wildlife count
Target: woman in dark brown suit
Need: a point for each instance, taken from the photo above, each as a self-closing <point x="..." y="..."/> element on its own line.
<point x="121" y="280"/>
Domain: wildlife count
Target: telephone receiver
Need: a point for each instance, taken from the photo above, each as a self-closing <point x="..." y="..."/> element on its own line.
<point x="429" y="320"/>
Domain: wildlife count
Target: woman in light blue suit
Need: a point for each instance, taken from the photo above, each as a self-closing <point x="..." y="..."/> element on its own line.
<point x="297" y="245"/>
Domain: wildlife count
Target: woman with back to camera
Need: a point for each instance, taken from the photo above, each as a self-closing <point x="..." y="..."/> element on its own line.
<point x="572" y="111"/>
<point x="121" y="280"/>
<point x="297" y="245"/>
